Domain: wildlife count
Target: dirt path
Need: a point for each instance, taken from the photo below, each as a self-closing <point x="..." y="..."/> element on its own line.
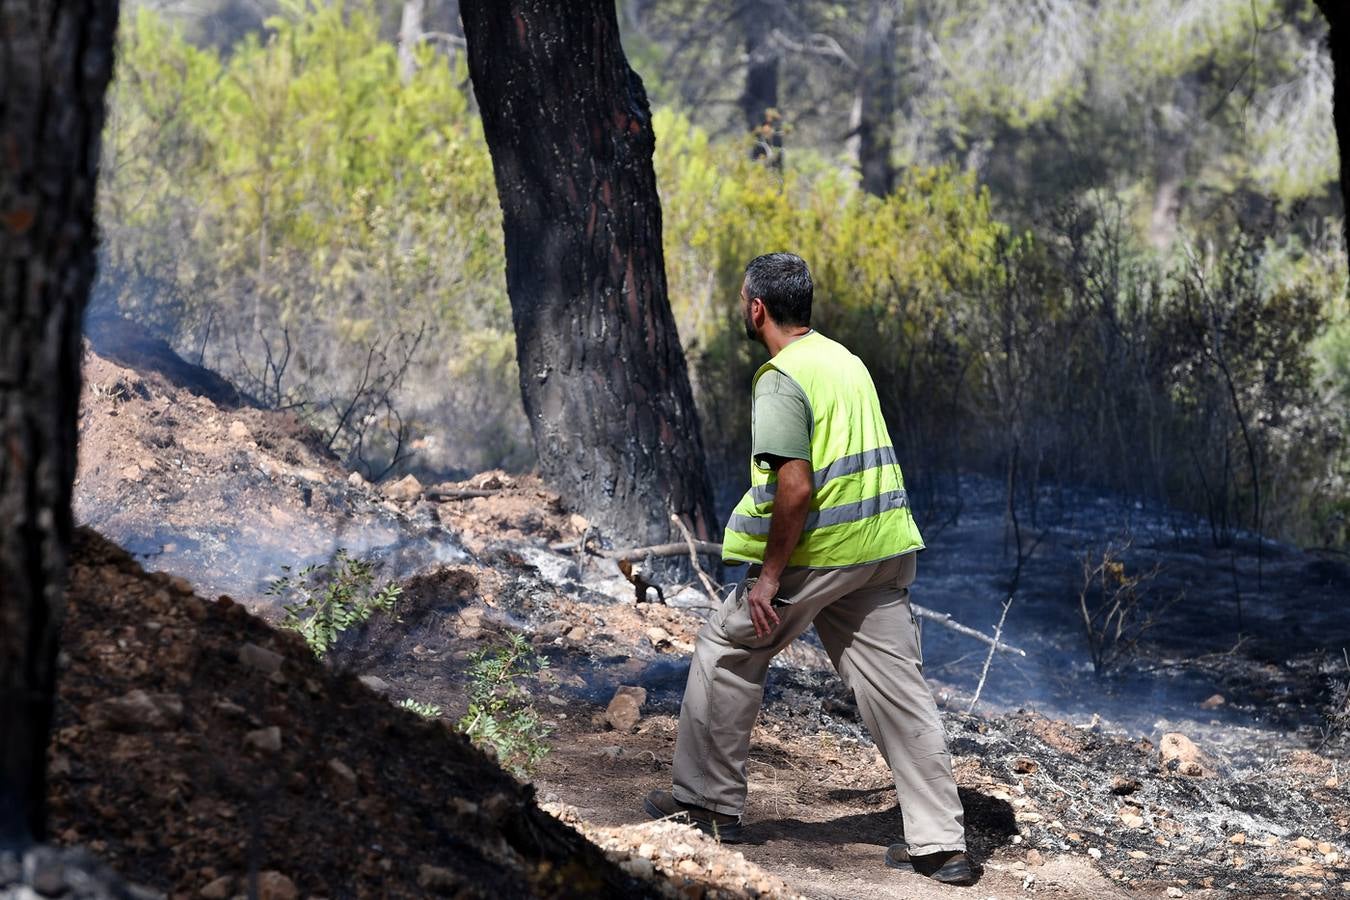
<point x="821" y="815"/>
<point x="224" y="496"/>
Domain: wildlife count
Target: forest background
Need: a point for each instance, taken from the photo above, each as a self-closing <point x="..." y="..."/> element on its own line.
<point x="1075" y="244"/>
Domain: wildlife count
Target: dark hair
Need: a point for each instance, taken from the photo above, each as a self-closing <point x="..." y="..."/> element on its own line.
<point x="783" y="282"/>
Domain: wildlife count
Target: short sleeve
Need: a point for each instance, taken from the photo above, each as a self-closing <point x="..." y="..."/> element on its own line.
<point x="781" y="420"/>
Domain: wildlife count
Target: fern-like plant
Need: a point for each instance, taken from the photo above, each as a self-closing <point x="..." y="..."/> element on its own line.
<point x="500" y="717"/>
<point x="423" y="709"/>
<point x="322" y="601"/>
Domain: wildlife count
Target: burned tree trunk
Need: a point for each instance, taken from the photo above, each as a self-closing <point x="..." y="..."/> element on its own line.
<point x="1338" y="40"/>
<point x="602" y="372"/>
<point x="56" y="58"/>
<point x="759" y="96"/>
<point x="876" y="101"/>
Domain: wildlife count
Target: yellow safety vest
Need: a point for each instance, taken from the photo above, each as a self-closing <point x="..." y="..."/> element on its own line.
<point x="859" y="511"/>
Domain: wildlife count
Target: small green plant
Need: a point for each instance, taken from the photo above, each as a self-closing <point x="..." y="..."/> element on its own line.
<point x="425" y="710"/>
<point x="500" y="717"/>
<point x="325" y="600"/>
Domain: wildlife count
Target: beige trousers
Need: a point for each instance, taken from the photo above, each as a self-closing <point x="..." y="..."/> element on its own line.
<point x="863" y="618"/>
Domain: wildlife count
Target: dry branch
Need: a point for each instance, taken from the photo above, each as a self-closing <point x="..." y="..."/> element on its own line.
<point x="993" y="647"/>
<point x="708" y="548"/>
<point x="947" y="621"/>
<point x="461" y="494"/>
<point x="709" y="588"/>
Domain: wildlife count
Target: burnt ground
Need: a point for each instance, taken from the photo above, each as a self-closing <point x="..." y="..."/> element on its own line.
<point x="195" y="743"/>
<point x="225" y="496"/>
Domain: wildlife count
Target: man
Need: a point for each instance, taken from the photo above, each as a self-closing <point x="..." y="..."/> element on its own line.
<point x="827" y="529"/>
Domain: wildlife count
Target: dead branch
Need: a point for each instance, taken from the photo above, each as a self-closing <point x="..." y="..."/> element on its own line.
<point x="708" y="587"/>
<point x="706" y="548"/>
<point x="989" y="658"/>
<point x="947" y="621"/>
<point x="442" y="495"/>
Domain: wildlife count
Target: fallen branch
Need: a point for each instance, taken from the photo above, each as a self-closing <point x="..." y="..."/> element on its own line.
<point x="708" y="587"/>
<point x="924" y="612"/>
<point x="705" y="548"/>
<point x="708" y="548"/>
<point x="460" y="493"/>
<point x="989" y="658"/>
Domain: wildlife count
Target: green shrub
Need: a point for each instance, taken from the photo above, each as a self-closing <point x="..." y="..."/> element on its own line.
<point x="425" y="710"/>
<point x="322" y="601"/>
<point x="500" y="718"/>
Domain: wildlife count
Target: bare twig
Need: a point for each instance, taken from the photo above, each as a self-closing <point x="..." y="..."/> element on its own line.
<point x="989" y="658"/>
<point x="460" y="494"/>
<point x="706" y="548"/>
<point x="947" y="621"/>
<point x="708" y="587"/>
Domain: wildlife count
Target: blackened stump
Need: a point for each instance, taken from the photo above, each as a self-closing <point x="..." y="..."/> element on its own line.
<point x="602" y="372"/>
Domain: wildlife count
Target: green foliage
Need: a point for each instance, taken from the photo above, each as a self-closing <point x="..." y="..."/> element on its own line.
<point x="298" y="193"/>
<point x="500" y="718"/>
<point x="895" y="277"/>
<point x="322" y="601"/>
<point x="425" y="710"/>
<point x="295" y="193"/>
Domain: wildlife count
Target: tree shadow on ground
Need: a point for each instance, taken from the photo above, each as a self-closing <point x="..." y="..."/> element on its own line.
<point x="990" y="824"/>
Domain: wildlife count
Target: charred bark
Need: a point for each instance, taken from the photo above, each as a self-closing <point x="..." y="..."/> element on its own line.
<point x="876" y="101"/>
<point x="759" y="97"/>
<point x="602" y="372"/>
<point x="56" y="58"/>
<point x="1338" y="40"/>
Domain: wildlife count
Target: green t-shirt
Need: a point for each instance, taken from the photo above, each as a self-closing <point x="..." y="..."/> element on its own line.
<point x="780" y="419"/>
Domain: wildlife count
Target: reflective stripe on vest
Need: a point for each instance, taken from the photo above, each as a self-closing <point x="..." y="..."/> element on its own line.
<point x="848" y="465"/>
<point x="824" y="518"/>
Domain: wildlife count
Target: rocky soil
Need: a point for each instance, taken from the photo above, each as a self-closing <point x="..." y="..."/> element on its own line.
<point x="223" y="495"/>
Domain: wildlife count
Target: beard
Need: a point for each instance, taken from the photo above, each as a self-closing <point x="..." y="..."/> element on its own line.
<point x="750" y="332"/>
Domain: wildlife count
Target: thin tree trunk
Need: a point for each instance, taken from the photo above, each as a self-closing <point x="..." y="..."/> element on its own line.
<point x="1338" y="40"/>
<point x="409" y="36"/>
<point x="602" y="372"/>
<point x="759" y="97"/>
<point x="1172" y="145"/>
<point x="876" y="101"/>
<point x="56" y="58"/>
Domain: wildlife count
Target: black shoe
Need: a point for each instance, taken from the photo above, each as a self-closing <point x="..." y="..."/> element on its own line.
<point x="946" y="866"/>
<point x="663" y="805"/>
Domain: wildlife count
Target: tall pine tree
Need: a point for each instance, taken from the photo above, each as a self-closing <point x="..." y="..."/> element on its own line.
<point x="602" y="371"/>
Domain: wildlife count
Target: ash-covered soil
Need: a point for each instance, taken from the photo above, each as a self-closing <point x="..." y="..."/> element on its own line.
<point x="1104" y="805"/>
<point x="223" y="494"/>
<point x="201" y="752"/>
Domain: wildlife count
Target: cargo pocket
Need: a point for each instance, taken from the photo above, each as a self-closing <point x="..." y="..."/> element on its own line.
<point x="736" y="621"/>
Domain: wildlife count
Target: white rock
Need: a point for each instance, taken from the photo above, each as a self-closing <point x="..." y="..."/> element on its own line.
<point x="266" y="739"/>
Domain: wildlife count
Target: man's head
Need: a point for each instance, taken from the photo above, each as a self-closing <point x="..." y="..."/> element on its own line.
<point x="777" y="285"/>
